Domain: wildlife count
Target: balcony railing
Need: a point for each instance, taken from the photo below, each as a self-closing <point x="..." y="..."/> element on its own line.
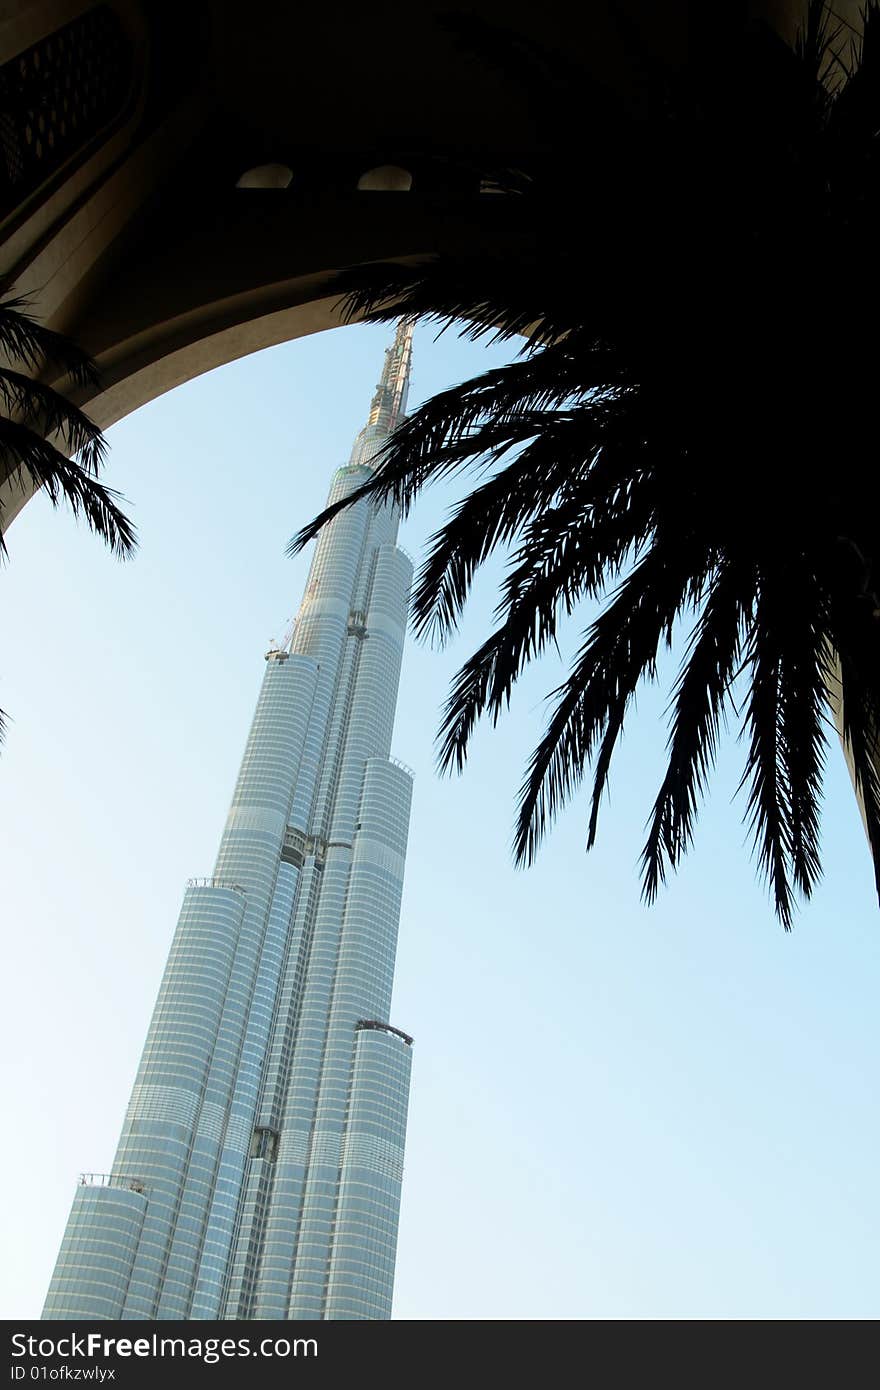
<point x="215" y="883"/>
<point x="404" y="767"/>
<point x="377" y="1026"/>
<point x="112" y="1180"/>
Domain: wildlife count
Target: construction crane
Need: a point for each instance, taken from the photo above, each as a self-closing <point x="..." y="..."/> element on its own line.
<point x="286" y="637"/>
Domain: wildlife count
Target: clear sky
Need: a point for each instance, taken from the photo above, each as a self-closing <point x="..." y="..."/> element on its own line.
<point x="616" y="1111"/>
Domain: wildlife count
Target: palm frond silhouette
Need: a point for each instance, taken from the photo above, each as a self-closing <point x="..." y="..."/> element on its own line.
<point x="686" y="435"/>
<point x="45" y="440"/>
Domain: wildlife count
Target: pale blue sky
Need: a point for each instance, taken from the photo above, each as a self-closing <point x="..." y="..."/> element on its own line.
<point x="616" y="1111"/>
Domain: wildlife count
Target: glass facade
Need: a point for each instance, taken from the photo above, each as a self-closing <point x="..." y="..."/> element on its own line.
<point x="259" y="1170"/>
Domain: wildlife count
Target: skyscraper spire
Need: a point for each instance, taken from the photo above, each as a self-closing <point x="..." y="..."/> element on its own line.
<point x="388" y="405"/>
<point x="259" y="1170"/>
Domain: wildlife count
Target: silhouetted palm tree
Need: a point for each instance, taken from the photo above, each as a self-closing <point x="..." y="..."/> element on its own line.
<point x="689" y="432"/>
<point x="40" y="429"/>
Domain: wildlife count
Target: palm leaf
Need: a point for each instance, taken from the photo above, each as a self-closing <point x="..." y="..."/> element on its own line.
<point x="61" y="476"/>
<point x="37" y="405"/>
<point x="35" y="414"/>
<point x="701" y="694"/>
<point x="23" y="339"/>
<point x="620" y="651"/>
<point x="676" y="396"/>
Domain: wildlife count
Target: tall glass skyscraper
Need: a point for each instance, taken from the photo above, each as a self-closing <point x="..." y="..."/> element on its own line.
<point x="258" y="1174"/>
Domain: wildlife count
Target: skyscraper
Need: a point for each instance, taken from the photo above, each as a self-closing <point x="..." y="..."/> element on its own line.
<point x="259" y="1169"/>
